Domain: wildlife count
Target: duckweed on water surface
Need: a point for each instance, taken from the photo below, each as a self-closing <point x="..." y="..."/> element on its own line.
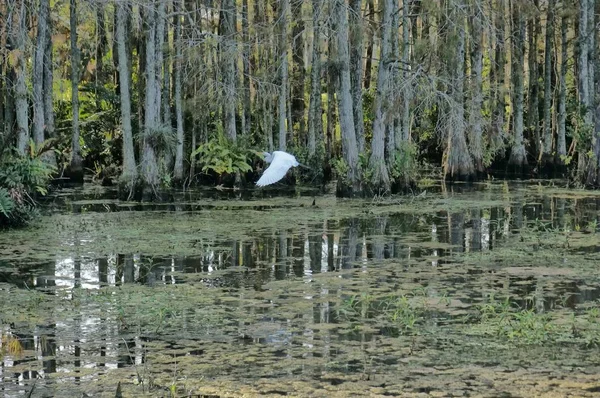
<point x="488" y="292"/>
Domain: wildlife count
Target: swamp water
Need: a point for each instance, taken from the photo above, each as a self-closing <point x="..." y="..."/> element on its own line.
<point x="491" y="290"/>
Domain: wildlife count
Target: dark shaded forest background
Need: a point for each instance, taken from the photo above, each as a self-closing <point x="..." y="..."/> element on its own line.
<point x="372" y="93"/>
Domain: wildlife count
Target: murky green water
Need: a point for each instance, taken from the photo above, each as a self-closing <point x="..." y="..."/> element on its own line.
<point x="491" y="290"/>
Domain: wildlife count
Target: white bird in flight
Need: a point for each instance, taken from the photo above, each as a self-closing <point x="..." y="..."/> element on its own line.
<point x="280" y="163"/>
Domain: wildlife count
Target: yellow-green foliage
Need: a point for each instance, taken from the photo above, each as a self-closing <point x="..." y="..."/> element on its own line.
<point x="222" y="156"/>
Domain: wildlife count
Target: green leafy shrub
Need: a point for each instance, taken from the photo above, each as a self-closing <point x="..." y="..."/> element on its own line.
<point x="405" y="167"/>
<point x="22" y="177"/>
<point x="221" y="156"/>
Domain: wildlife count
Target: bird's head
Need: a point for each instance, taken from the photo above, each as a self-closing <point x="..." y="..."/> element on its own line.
<point x="268" y="157"/>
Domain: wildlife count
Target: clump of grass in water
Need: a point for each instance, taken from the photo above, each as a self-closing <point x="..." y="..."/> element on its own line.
<point x="506" y="320"/>
<point x="400" y="310"/>
<point x="10" y="345"/>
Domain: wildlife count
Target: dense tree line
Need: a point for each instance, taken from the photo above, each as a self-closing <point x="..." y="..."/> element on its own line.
<point x="178" y="91"/>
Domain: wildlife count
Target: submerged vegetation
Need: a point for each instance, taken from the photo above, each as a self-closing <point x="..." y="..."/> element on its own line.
<point x="265" y="297"/>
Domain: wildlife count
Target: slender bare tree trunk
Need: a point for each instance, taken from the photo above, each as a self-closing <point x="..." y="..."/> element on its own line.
<point x="129" y="174"/>
<point x="584" y="85"/>
<point x="179" y="6"/>
<point x="518" y="156"/>
<point x="283" y="73"/>
<point x="561" y="145"/>
<point x="76" y="168"/>
<point x="476" y="103"/>
<point x="247" y="92"/>
<point x="593" y="163"/>
<point x="546" y="155"/>
<point x="356" y="62"/>
<point x="533" y="115"/>
<point x="19" y="35"/>
<point x="152" y="107"/>
<point x="332" y="79"/>
<point x="394" y="128"/>
<point x="47" y="92"/>
<point x="160" y="40"/>
<point x="315" y="129"/>
<point x="380" y="178"/>
<point x="499" y="108"/>
<point x="370" y="44"/>
<point x="38" y="72"/>
<point x="298" y="79"/>
<point x="458" y="163"/>
<point x="229" y="56"/>
<point x="351" y="183"/>
<point x="406" y="93"/>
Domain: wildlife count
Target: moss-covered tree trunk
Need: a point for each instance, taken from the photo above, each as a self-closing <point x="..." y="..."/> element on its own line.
<point x="348" y="184"/>
<point x="458" y="164"/>
<point x="17" y="38"/>
<point x="475" y="129"/>
<point x="315" y="128"/>
<point x="149" y="167"/>
<point x="518" y="156"/>
<point x="129" y="173"/>
<point x="546" y="157"/>
<point x="298" y="74"/>
<point x="228" y="57"/>
<point x="533" y="114"/>
<point x="356" y="76"/>
<point x="284" y="6"/>
<point x="407" y="91"/>
<point x="38" y="72"/>
<point x="380" y="180"/>
<point x="497" y="133"/>
<point x="76" y="166"/>
<point x="561" y="117"/>
<point x="177" y="69"/>
<point x="48" y="94"/>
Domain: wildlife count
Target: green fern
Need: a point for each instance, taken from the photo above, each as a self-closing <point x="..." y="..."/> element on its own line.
<point x="6" y="203"/>
<point x="221" y="156"/>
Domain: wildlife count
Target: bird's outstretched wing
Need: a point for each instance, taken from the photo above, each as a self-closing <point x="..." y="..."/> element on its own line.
<point x="275" y="172"/>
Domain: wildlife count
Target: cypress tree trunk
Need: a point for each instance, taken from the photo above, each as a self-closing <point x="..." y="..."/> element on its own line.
<point x="518" y="156"/>
<point x="349" y="185"/>
<point x="47" y="92"/>
<point x="332" y="80"/>
<point x="178" y="172"/>
<point x="38" y="72"/>
<point x="228" y="58"/>
<point x="19" y="35"/>
<point x="129" y="174"/>
<point x="593" y="108"/>
<point x="152" y="107"/>
<point x="380" y="180"/>
<point x="356" y="62"/>
<point x="533" y="115"/>
<point x="561" y="145"/>
<point x="476" y="103"/>
<point x="315" y="129"/>
<point x="370" y="45"/>
<point x="298" y="74"/>
<point x="499" y="105"/>
<point x="458" y="164"/>
<point x="247" y="101"/>
<point x="406" y="94"/>
<point x="76" y="167"/>
<point x="283" y="82"/>
<point x="584" y="84"/>
<point x="546" y="156"/>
